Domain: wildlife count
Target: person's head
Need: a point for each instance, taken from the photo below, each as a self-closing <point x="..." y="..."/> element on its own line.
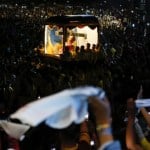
<point x="69" y="137"/>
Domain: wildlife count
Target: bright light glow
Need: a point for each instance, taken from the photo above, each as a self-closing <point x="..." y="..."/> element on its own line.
<point x="133" y="25"/>
<point x="91" y="36"/>
<point x="92" y="143"/>
<point x="54" y="38"/>
<point x="148" y="24"/>
<point x="86" y="116"/>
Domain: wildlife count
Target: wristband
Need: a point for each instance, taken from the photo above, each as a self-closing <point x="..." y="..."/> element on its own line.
<point x="103" y="126"/>
<point x="104" y="129"/>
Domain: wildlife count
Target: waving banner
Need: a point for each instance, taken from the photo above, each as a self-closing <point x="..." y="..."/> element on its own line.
<point x="59" y="110"/>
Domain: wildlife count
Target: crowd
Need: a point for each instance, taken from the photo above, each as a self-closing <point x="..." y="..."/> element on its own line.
<point x="25" y="76"/>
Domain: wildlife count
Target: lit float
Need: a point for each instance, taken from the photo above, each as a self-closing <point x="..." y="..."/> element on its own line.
<point x="72" y="37"/>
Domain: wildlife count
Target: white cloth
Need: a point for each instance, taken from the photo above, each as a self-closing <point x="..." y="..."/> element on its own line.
<point x="59" y="110"/>
<point x="142" y="103"/>
<point x="14" y="130"/>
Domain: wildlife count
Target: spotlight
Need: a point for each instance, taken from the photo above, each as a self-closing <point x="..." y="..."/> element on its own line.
<point x="87" y="116"/>
<point x="133" y="25"/>
<point x="148" y="24"/>
<point x="92" y="143"/>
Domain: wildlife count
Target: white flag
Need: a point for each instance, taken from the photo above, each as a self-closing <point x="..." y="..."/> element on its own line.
<point x="14" y="130"/>
<point x="142" y="103"/>
<point x="59" y="110"/>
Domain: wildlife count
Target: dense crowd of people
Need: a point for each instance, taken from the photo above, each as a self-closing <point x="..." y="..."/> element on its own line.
<point x="26" y="76"/>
